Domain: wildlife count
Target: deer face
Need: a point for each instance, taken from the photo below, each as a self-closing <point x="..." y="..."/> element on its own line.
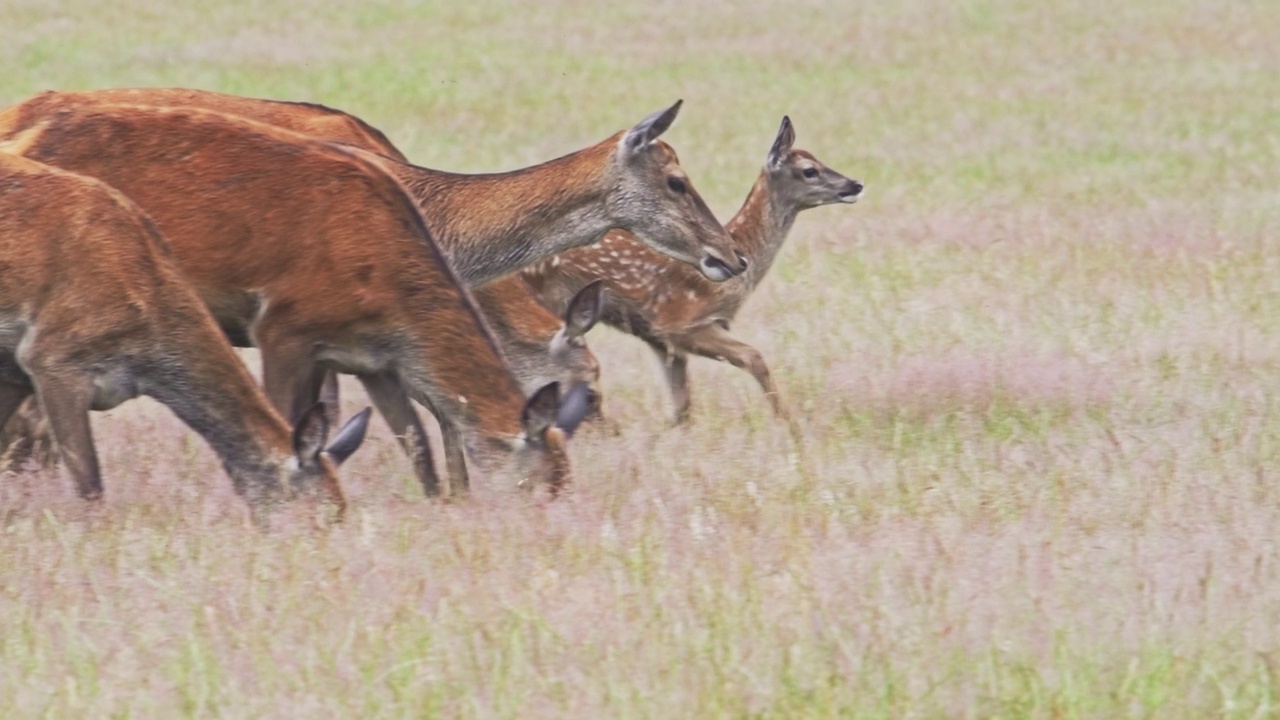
<point x="800" y="180"/>
<point x="549" y="420"/>
<point x="568" y="348"/>
<point x="314" y="469"/>
<point x="654" y="199"/>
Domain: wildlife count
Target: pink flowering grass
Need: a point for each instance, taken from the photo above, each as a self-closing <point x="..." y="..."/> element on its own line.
<point x="1034" y="373"/>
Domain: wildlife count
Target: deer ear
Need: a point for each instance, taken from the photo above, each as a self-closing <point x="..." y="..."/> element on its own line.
<point x="584" y="309"/>
<point x="309" y="434"/>
<point x="539" y="412"/>
<point x="573" y="408"/>
<point x="782" y="144"/>
<point x="648" y="129"/>
<point x="349" y="437"/>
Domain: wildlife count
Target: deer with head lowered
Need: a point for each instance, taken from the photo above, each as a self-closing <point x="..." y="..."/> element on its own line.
<point x="491" y="224"/>
<point x="94" y="311"/>
<point x="310" y="251"/>
<point x="674" y="311"/>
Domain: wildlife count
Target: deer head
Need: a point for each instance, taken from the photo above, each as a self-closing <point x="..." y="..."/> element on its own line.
<point x="315" y="464"/>
<point x="568" y="348"/>
<point x="654" y="199"/>
<point x="800" y="180"/>
<point x="549" y="421"/>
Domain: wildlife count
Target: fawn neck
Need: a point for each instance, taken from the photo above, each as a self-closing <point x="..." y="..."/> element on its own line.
<point x="493" y="224"/>
<point x="760" y="228"/>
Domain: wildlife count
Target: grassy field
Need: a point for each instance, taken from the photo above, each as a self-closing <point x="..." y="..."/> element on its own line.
<point x="1037" y="369"/>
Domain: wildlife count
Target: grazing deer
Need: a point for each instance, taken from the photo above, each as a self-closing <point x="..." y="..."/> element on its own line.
<point x="94" y="312"/>
<point x="539" y="347"/>
<point x="310" y="251"/>
<point x="673" y="310"/>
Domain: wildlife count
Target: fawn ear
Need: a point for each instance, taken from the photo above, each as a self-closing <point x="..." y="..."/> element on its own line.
<point x="584" y="309"/>
<point x="309" y="434"/>
<point x="539" y="412"/>
<point x="782" y="144"/>
<point x="648" y="129"/>
<point x="349" y="437"/>
<point x="573" y="408"/>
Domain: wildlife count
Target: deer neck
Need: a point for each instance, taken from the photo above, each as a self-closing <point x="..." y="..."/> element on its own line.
<point x="494" y="224"/>
<point x="467" y="380"/>
<point x="760" y="228"/>
<point x="237" y="422"/>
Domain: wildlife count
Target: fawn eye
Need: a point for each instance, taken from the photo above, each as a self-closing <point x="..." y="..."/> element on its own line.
<point x="810" y="172"/>
<point x="677" y="185"/>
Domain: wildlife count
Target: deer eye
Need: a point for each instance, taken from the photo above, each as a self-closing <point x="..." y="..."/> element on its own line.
<point x="811" y="172"/>
<point x="677" y="185"/>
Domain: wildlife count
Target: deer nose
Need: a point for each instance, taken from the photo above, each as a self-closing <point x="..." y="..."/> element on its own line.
<point x="851" y="192"/>
<point x="742" y="259"/>
<point x="718" y="269"/>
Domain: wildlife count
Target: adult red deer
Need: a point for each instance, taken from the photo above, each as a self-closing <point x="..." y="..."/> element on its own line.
<point x="539" y="346"/>
<point x="310" y="251"/>
<point x="675" y="311"/>
<point x="94" y="312"/>
<point x="492" y="224"/>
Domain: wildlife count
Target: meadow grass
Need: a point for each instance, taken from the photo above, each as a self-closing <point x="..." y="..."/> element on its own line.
<point x="1036" y="371"/>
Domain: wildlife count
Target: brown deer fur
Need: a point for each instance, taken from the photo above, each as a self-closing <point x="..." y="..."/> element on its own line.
<point x="677" y="312"/>
<point x="539" y="346"/>
<point x="305" y="118"/>
<point x="94" y="311"/>
<point x="308" y="250"/>
<point x="492" y="224"/>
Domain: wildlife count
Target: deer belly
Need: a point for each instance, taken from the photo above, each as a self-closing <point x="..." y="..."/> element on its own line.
<point x="356" y="359"/>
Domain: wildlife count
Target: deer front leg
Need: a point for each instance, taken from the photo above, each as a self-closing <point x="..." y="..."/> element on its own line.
<point x="675" y="368"/>
<point x="290" y="376"/>
<point x="715" y="342"/>
<point x="390" y="399"/>
<point x="455" y="457"/>
<point x="66" y="402"/>
<point x="330" y="396"/>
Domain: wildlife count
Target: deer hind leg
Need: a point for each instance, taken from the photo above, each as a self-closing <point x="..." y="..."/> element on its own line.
<point x="11" y="397"/>
<point x="15" y="435"/>
<point x="390" y="399"/>
<point x="66" y="401"/>
<point x="715" y="342"/>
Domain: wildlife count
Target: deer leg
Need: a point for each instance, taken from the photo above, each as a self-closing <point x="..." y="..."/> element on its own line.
<point x="290" y="377"/>
<point x="329" y="395"/>
<point x="390" y="399"/>
<point x="675" y="368"/>
<point x="11" y="396"/>
<point x="455" y="456"/>
<point x="22" y="430"/>
<point x="715" y="342"/>
<point x="66" y="403"/>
